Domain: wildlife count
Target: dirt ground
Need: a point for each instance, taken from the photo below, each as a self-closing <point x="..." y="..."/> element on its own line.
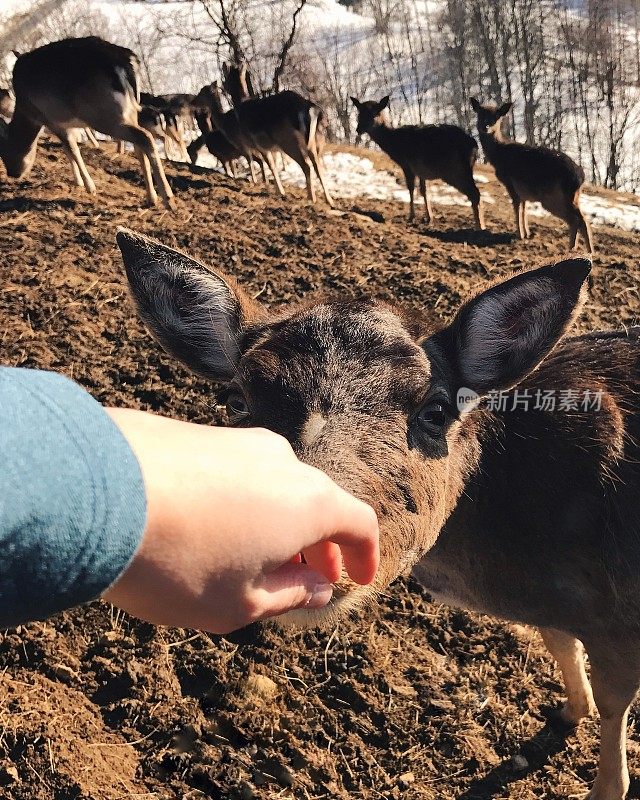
<point x="413" y="700"/>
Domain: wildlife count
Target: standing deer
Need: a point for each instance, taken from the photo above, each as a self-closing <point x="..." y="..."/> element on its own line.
<point x="530" y="513"/>
<point x="533" y="173"/>
<point x="425" y="152"/>
<point x="228" y="124"/>
<point x="205" y="102"/>
<point x="283" y="121"/>
<point x="79" y="83"/>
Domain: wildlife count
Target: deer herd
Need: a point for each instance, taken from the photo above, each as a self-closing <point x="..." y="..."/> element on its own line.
<point x="532" y="516"/>
<point x="92" y="85"/>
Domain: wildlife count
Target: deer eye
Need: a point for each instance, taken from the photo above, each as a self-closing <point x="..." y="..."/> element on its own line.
<point x="431" y="419"/>
<point x="237" y="408"/>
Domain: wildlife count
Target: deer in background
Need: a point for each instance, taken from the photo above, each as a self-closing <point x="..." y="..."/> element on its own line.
<point x="530" y="513"/>
<point x="79" y="83"/>
<point x="533" y="173"/>
<point x="426" y="152"/>
<point x="284" y="121"/>
<point x="216" y="142"/>
<point x="228" y="124"/>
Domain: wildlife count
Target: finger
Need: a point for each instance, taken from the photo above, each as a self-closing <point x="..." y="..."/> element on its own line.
<point x="288" y="587"/>
<point x="325" y="557"/>
<point x="353" y="525"/>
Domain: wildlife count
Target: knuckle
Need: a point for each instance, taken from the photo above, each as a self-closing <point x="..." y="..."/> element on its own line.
<point x="250" y="609"/>
<point x="275" y="441"/>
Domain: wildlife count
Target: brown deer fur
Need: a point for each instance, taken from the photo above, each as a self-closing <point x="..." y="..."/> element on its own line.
<point x="78" y="83"/>
<point x="426" y="152"/>
<point x="533" y="173"/>
<point x="207" y="103"/>
<point x="531" y="515"/>
<point x="283" y="121"/>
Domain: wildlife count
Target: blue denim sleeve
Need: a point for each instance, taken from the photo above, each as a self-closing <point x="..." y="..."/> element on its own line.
<point x="72" y="499"/>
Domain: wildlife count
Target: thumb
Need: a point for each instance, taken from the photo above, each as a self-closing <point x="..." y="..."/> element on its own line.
<point x="291" y="586"/>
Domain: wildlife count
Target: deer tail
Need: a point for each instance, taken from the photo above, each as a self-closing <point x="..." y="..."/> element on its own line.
<point x="314" y="116"/>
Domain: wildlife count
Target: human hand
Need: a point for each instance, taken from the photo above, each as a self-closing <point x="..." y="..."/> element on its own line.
<point x="228" y="512"/>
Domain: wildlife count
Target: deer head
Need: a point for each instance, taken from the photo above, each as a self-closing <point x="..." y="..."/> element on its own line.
<point x="362" y="390"/>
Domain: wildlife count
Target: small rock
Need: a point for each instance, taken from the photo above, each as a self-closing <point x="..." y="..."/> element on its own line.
<point x="407" y="778"/>
<point x="260" y="686"/>
<point x="284" y="776"/>
<point x="9" y="775"/>
<point x="64" y="672"/>
<point x="246" y="792"/>
<point x="519" y="763"/>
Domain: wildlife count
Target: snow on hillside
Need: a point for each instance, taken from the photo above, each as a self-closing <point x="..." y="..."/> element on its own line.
<point x="350" y="177"/>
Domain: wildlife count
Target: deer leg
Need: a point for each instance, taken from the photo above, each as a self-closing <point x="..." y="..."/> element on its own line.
<point x="517" y="212"/>
<point x="428" y="214"/>
<point x="410" y="178"/>
<point x="143" y="140"/>
<point x="76" y="174"/>
<point x="569" y="654"/>
<point x="263" y="170"/>
<point x="75" y="157"/>
<point x="525" y="222"/>
<point x="307" y="168"/>
<point x="579" y="225"/>
<point x="473" y="193"/>
<point x="91" y="137"/>
<point x="274" y="171"/>
<point x="304" y="161"/>
<point x="120" y="147"/>
<point x="318" y="166"/>
<point x="478" y="214"/>
<point x="615" y="678"/>
<point x="233" y="169"/>
<point x="145" y="167"/>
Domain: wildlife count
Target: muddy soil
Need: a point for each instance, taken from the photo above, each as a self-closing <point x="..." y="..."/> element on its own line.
<point x="412" y="700"/>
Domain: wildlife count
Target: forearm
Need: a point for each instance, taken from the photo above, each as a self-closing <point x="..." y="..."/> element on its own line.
<point x="72" y="499"/>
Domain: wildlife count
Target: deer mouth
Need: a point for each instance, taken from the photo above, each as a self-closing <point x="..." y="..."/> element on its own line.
<point x="345" y="602"/>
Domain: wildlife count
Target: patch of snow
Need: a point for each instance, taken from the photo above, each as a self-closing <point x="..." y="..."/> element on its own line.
<point x="351" y="176"/>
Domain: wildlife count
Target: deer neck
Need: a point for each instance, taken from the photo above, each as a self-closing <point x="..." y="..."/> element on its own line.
<point x="384" y="136"/>
<point x="493" y="142"/>
<point x="238" y="92"/>
<point x="217" y="114"/>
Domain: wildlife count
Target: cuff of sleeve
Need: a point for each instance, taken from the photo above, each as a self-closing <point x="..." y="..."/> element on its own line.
<point x="72" y="498"/>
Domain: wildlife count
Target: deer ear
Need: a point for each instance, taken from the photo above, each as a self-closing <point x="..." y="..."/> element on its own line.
<point x="384" y="102"/>
<point x="198" y="316"/>
<point x="502" y="334"/>
<point x="356" y="102"/>
<point x="475" y="105"/>
<point x="505" y="108"/>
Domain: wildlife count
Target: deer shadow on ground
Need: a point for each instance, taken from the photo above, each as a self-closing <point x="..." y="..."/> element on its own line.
<point x="537" y="751"/>
<point x="180" y="182"/>
<point x="31" y="204"/>
<point x="470" y="236"/>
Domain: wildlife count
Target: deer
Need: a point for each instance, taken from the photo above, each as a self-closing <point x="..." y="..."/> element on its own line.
<point x="530" y="514"/>
<point x="530" y="172"/>
<point x="426" y="152"/>
<point x="285" y="121"/>
<point x="214" y="139"/>
<point x="72" y="84"/>
<point x="228" y="124"/>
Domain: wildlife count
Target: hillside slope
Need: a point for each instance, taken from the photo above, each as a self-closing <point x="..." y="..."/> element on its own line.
<point x="413" y="700"/>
